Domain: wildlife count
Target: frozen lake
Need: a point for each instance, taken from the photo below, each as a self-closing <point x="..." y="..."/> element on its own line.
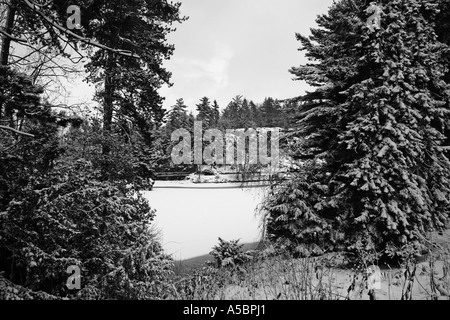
<point x="191" y="217"/>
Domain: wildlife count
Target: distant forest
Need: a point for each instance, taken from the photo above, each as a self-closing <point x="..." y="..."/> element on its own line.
<point x="240" y="113"/>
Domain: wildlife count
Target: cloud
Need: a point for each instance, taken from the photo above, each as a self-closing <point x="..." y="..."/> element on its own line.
<point x="193" y="76"/>
<point x="214" y="69"/>
<point x="237" y="47"/>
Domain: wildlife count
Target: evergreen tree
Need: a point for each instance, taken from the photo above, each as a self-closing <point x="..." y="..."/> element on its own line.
<point x="130" y="83"/>
<point x="271" y="112"/>
<point x="231" y="118"/>
<point x="245" y="119"/>
<point x="177" y="117"/>
<point x="191" y="120"/>
<point x="375" y="128"/>
<point x="205" y="113"/>
<point x="216" y="114"/>
<point x="125" y="42"/>
<point x="255" y="115"/>
<point x="442" y="27"/>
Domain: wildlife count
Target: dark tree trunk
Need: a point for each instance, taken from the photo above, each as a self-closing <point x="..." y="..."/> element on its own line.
<point x="108" y="107"/>
<point x="6" y="41"/>
<point x="108" y="111"/>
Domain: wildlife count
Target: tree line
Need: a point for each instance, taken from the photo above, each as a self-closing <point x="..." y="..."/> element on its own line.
<point x="240" y="113"/>
<point x="370" y="142"/>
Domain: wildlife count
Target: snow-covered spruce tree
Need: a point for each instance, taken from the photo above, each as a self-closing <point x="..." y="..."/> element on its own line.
<point x="292" y="221"/>
<point x="442" y="28"/>
<point x="380" y="129"/>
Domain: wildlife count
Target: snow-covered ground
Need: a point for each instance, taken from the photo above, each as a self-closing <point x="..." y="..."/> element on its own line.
<point x="191" y="217"/>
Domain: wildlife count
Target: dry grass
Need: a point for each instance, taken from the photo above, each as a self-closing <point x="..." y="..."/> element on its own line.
<point x="323" y="278"/>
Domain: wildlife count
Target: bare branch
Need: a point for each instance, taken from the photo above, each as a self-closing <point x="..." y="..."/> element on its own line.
<point x="17" y="131"/>
<point x="34" y="7"/>
<point x="20" y="59"/>
<point x="6" y="34"/>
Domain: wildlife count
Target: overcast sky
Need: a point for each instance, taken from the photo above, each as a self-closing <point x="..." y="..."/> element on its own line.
<point x="234" y="47"/>
<point x="239" y="47"/>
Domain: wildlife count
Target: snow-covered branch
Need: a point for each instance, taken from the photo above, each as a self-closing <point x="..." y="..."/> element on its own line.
<point x="35" y="8"/>
<point x="16" y="131"/>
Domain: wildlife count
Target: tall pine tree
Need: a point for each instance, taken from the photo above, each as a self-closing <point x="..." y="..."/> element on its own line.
<point x="375" y="127"/>
<point x="205" y="113"/>
<point x="177" y="117"/>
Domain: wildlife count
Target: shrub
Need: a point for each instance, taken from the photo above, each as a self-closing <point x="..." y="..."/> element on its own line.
<point x="228" y="254"/>
<point x="68" y="217"/>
